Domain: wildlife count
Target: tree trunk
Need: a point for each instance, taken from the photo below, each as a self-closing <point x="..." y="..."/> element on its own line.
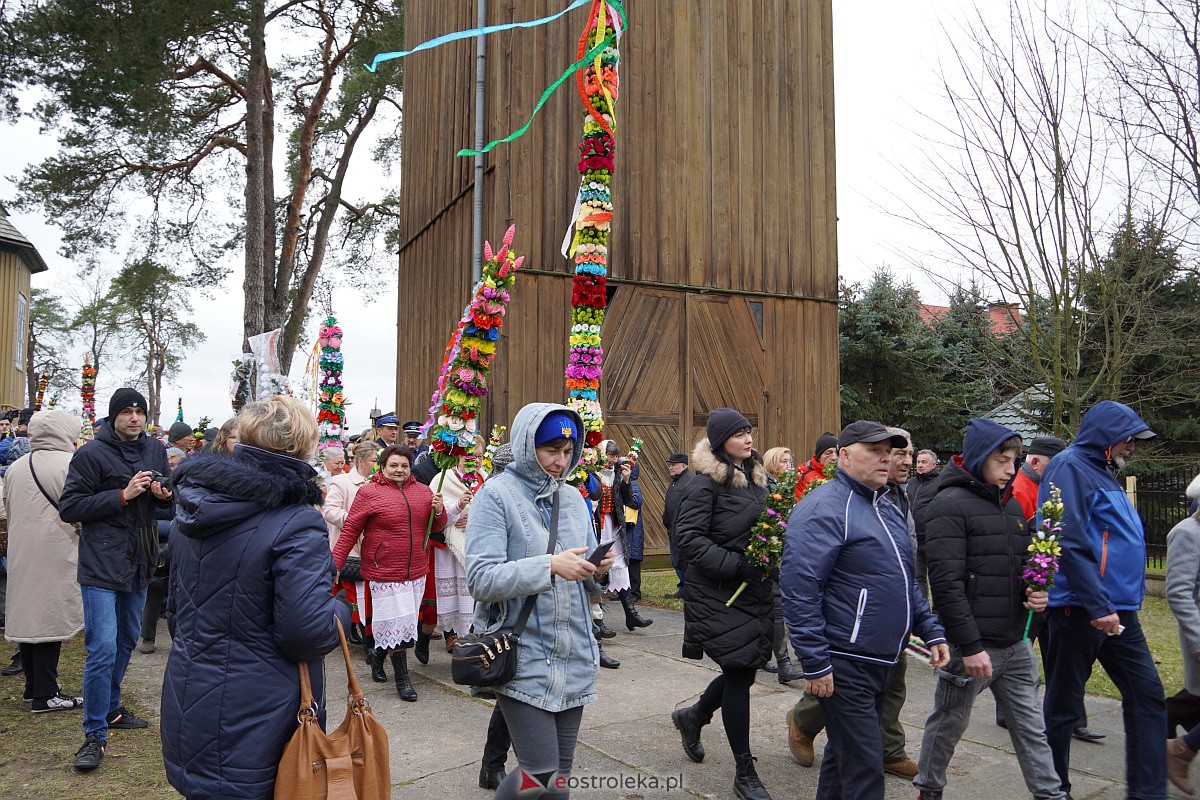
<point x="258" y="217"/>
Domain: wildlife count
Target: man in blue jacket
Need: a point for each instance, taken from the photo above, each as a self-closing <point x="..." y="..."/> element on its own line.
<point x="1096" y="596"/>
<point x="113" y="487"/>
<point x="850" y="601"/>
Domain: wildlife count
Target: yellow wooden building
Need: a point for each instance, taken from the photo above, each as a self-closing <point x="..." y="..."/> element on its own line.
<point x="19" y="259"/>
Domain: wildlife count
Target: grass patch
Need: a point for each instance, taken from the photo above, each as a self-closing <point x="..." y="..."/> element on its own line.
<point x="1158" y="622"/>
<point x="36" y="750"/>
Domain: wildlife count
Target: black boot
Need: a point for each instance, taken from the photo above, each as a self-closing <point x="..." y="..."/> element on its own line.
<point x="375" y="657"/>
<point x="355" y="636"/>
<point x="689" y="721"/>
<point x="632" y="618"/>
<point x="746" y="784"/>
<point x="787" y="671"/>
<point x="605" y="661"/>
<point x="404" y="686"/>
<point x="421" y="651"/>
<point x="601" y="630"/>
<point x="15" y="667"/>
<point x="368" y="644"/>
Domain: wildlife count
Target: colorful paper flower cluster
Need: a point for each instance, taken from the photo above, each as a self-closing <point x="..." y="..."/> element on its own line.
<point x="87" y="394"/>
<point x="239" y="382"/>
<point x="1045" y="548"/>
<point x="41" y="392"/>
<point x="589" y="248"/>
<point x="764" y="552"/>
<point x="494" y="440"/>
<point x="331" y="413"/>
<point x="453" y="415"/>
<point x="198" y="433"/>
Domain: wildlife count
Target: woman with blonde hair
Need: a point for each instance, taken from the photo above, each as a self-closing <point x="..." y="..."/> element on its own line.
<point x="227" y="437"/>
<point x="778" y="460"/>
<point x="250" y="577"/>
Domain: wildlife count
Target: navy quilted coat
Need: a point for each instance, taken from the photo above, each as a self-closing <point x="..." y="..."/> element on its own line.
<point x="249" y="598"/>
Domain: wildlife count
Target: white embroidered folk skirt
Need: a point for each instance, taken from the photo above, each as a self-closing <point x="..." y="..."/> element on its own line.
<point x="618" y="576"/>
<point x="455" y="608"/>
<point x="394" y="609"/>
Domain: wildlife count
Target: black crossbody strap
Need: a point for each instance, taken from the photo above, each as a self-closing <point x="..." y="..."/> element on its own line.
<point x="527" y="607"/>
<point x="41" y="488"/>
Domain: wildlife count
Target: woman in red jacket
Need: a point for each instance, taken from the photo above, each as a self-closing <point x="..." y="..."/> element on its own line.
<point x="390" y="514"/>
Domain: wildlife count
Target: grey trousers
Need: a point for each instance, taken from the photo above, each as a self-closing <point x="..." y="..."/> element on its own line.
<point x="545" y="744"/>
<point x="1014" y="685"/>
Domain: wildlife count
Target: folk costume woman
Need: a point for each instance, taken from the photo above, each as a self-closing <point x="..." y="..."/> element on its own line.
<point x="391" y="514"/>
<point x="509" y="559"/>
<point x="455" y="606"/>
<point x="616" y="493"/>
<point x="713" y="526"/>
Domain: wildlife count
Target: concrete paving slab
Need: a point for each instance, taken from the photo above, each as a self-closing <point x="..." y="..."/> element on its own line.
<point x="627" y="743"/>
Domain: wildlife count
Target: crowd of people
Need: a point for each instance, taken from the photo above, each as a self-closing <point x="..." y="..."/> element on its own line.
<point x="255" y="549"/>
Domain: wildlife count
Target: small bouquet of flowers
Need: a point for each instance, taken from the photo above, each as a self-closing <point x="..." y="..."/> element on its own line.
<point x="494" y="440"/>
<point x="1044" y="550"/>
<point x="765" y="550"/>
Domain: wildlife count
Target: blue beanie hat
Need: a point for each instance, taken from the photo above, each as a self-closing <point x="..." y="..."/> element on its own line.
<point x="556" y="425"/>
<point x="982" y="438"/>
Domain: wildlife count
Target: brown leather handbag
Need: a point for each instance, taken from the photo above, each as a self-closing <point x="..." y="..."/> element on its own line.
<point x="350" y="763"/>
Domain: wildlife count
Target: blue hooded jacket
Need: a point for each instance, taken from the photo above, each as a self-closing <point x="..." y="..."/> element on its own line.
<point x="1103" y="563"/>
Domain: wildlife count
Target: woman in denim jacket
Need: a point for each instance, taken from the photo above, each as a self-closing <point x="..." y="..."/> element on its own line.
<point x="507" y="560"/>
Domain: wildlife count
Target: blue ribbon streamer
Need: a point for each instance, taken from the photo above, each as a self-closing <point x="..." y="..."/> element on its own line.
<point x="471" y="34"/>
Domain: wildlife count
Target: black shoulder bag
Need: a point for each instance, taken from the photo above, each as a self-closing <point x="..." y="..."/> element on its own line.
<point x="491" y="659"/>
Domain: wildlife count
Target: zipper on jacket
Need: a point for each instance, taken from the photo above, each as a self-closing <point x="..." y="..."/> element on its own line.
<point x="858" y="614"/>
<point x="1103" y="553"/>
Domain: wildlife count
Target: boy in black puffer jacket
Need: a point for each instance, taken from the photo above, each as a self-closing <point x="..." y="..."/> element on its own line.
<point x="976" y="546"/>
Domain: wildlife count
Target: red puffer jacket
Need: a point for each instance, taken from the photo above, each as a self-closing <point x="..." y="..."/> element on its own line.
<point x="391" y="520"/>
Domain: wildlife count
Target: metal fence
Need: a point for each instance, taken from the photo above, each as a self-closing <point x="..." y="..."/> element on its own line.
<point x="1161" y="503"/>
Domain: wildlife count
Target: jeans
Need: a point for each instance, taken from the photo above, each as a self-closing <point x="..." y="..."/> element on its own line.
<point x="851" y="768"/>
<point x="111" y="623"/>
<point x="153" y="608"/>
<point x="809" y="719"/>
<point x="1074" y="647"/>
<point x="1014" y="683"/>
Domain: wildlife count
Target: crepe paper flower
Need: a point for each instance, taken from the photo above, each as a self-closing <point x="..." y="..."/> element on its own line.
<point x="764" y="551"/>
<point x="597" y="87"/>
<point x="1044" y="549"/>
<point x="453" y="426"/>
<point x="331" y="400"/>
<point x="41" y="391"/>
<point x="198" y="433"/>
<point x="87" y="394"/>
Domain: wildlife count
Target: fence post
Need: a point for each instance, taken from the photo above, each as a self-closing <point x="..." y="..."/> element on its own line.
<point x="1131" y="489"/>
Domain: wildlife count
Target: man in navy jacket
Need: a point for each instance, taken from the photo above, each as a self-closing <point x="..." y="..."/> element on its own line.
<point x="1096" y="596"/>
<point x="113" y="488"/>
<point x="850" y="601"/>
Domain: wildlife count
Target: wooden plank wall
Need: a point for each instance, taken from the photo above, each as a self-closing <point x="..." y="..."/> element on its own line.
<point x="723" y="195"/>
<point x="14" y="282"/>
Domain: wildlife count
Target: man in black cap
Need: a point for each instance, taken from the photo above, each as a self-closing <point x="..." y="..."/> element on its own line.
<point x="387" y="430"/>
<point x="850" y="601"/>
<point x="412" y="437"/>
<point x="681" y="478"/>
<point x="112" y="490"/>
<point x="813" y="470"/>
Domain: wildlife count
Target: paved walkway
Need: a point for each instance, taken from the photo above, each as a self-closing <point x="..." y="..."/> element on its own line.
<point x="627" y="736"/>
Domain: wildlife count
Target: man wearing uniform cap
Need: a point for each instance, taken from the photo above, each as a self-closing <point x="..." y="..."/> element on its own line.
<point x="412" y="437"/>
<point x="681" y="478"/>
<point x="387" y="430"/>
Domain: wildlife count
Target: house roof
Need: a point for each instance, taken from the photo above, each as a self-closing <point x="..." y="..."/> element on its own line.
<point x="1003" y="318"/>
<point x="1019" y="412"/>
<point x="12" y="240"/>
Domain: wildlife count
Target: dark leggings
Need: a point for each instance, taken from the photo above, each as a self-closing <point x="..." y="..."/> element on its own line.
<point x="730" y="692"/>
<point x="545" y="745"/>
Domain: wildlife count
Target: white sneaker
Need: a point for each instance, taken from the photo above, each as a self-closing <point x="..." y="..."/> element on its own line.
<point x="59" y="702"/>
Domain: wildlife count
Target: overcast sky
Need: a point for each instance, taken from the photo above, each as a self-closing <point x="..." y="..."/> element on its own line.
<point x="884" y="74"/>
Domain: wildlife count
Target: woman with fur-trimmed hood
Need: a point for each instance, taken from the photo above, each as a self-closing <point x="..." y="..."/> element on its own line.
<point x="713" y="529"/>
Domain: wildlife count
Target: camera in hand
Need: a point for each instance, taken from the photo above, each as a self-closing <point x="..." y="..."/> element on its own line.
<point x="163" y="480"/>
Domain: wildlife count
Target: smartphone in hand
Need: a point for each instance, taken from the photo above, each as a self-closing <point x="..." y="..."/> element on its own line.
<point x="597" y="555"/>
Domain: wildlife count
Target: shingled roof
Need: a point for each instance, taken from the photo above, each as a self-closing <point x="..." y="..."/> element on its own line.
<point x="1019" y="413"/>
<point x="13" y="241"/>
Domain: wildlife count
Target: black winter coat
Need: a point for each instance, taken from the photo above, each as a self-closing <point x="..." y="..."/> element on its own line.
<point x="920" y="491"/>
<point x="116" y="543"/>
<point x="976" y="540"/>
<point x="249" y="598"/>
<point x="713" y="529"/>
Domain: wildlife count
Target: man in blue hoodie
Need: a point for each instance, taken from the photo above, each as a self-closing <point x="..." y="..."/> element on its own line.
<point x="977" y="539"/>
<point x="1096" y="597"/>
<point x="850" y="600"/>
